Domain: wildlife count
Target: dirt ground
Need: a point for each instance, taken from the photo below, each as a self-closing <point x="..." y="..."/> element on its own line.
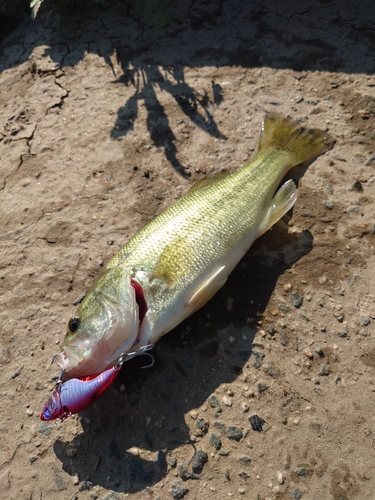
<point x="268" y="392"/>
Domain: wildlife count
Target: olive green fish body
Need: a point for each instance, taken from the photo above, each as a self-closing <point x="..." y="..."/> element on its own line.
<point x="185" y="254"/>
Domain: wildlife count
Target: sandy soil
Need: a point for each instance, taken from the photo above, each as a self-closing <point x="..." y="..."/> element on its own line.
<point x="105" y="121"/>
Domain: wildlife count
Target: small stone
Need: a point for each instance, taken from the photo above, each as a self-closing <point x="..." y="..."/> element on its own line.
<point x="296" y="299"/>
<point x="172" y="460"/>
<point x="232" y="339"/>
<point x="201" y="427"/>
<point x="215" y="441"/>
<point x="227" y="401"/>
<point x="283" y="307"/>
<point x="199" y="459"/>
<point x="308" y="353"/>
<point x="233" y="432"/>
<point x="214" y="403"/>
<point x="45" y="428"/>
<point x="296" y="494"/>
<point x="262" y="387"/>
<point x="245" y="459"/>
<point x="75" y="479"/>
<point x="257" y="423"/>
<point x="193" y="414"/>
<point x="185" y="474"/>
<point x="320" y="352"/>
<point x="271" y="330"/>
<point x="357" y="186"/>
<point x="241" y="491"/>
<point x="324" y="370"/>
<point x="340" y="317"/>
<point x="342" y="334"/>
<point x="257" y="358"/>
<point x="223" y="453"/>
<point x="328" y="204"/>
<point x="245" y="407"/>
<point x="365" y="320"/>
<point x="280" y="477"/>
<point x="178" y="490"/>
<point x="302" y="471"/>
<point x="29" y="412"/>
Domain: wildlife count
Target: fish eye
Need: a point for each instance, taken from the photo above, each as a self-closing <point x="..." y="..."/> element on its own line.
<point x="73" y="324"/>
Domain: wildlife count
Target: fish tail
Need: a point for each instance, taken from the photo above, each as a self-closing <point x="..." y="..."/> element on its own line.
<point x="287" y="135"/>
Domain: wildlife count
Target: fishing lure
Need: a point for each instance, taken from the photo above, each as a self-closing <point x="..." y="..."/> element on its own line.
<point x="76" y="394"/>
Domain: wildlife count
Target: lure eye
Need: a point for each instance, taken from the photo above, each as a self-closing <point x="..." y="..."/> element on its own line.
<point x="73" y="324"/>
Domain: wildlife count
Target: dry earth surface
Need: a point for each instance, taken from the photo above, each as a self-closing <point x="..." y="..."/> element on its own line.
<point x="268" y="392"/>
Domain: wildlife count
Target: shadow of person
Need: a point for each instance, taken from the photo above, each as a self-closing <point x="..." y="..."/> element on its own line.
<point x="211" y="348"/>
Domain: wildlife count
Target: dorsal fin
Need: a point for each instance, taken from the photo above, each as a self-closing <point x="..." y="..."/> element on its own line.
<point x="211" y="178"/>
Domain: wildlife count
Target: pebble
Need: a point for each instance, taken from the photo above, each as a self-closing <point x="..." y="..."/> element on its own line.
<point x="280" y="477"/>
<point x="75" y="479"/>
<point x="193" y="414"/>
<point x="245" y="407"/>
<point x="324" y="370"/>
<point x="328" y="204"/>
<point x="245" y="459"/>
<point x="283" y="307"/>
<point x="241" y="491"/>
<point x="365" y="320"/>
<point x="233" y="432"/>
<point x="302" y="471"/>
<point x="179" y="490"/>
<point x="342" y="334"/>
<point x="308" y="353"/>
<point x="319" y="351"/>
<point x="257" y="423"/>
<point x="262" y="387"/>
<point x="357" y="186"/>
<point x="214" y="403"/>
<point x="227" y="401"/>
<point x="202" y="426"/>
<point x="257" y="358"/>
<point x="297" y="299"/>
<point x="296" y="494"/>
<point x="198" y="461"/>
<point x="172" y="461"/>
<point x="215" y="441"/>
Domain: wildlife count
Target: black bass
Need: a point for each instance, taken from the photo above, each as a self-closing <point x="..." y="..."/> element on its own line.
<point x="178" y="261"/>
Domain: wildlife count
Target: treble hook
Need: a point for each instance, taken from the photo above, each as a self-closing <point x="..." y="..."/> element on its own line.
<point x="125" y="356"/>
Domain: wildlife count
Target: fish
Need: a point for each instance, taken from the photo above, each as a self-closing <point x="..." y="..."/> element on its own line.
<point x="182" y="257"/>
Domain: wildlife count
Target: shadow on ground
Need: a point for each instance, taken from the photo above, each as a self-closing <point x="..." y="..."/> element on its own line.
<point x="315" y="36"/>
<point x="191" y="362"/>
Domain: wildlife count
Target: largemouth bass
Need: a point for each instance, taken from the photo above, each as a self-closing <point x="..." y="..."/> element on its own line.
<point x="179" y="260"/>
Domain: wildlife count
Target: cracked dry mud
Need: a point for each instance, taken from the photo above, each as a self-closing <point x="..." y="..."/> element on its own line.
<point x="268" y="392"/>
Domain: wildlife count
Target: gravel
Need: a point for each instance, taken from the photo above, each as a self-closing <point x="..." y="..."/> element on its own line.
<point x="199" y="459"/>
<point x="297" y="299"/>
<point x="178" y="490"/>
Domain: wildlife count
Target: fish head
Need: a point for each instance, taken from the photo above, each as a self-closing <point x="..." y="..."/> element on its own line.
<point x="105" y="325"/>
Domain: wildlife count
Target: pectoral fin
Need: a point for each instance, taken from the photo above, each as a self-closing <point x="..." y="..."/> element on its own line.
<point x="207" y="289"/>
<point x="283" y="201"/>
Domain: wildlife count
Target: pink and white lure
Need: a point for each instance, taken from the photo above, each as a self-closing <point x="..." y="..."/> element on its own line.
<point x="76" y="394"/>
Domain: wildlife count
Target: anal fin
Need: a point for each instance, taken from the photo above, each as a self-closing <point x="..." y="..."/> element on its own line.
<point x="207" y="289"/>
<point x="283" y="201"/>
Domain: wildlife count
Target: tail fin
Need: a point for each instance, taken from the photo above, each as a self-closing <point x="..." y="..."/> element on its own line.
<point x="288" y="135"/>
